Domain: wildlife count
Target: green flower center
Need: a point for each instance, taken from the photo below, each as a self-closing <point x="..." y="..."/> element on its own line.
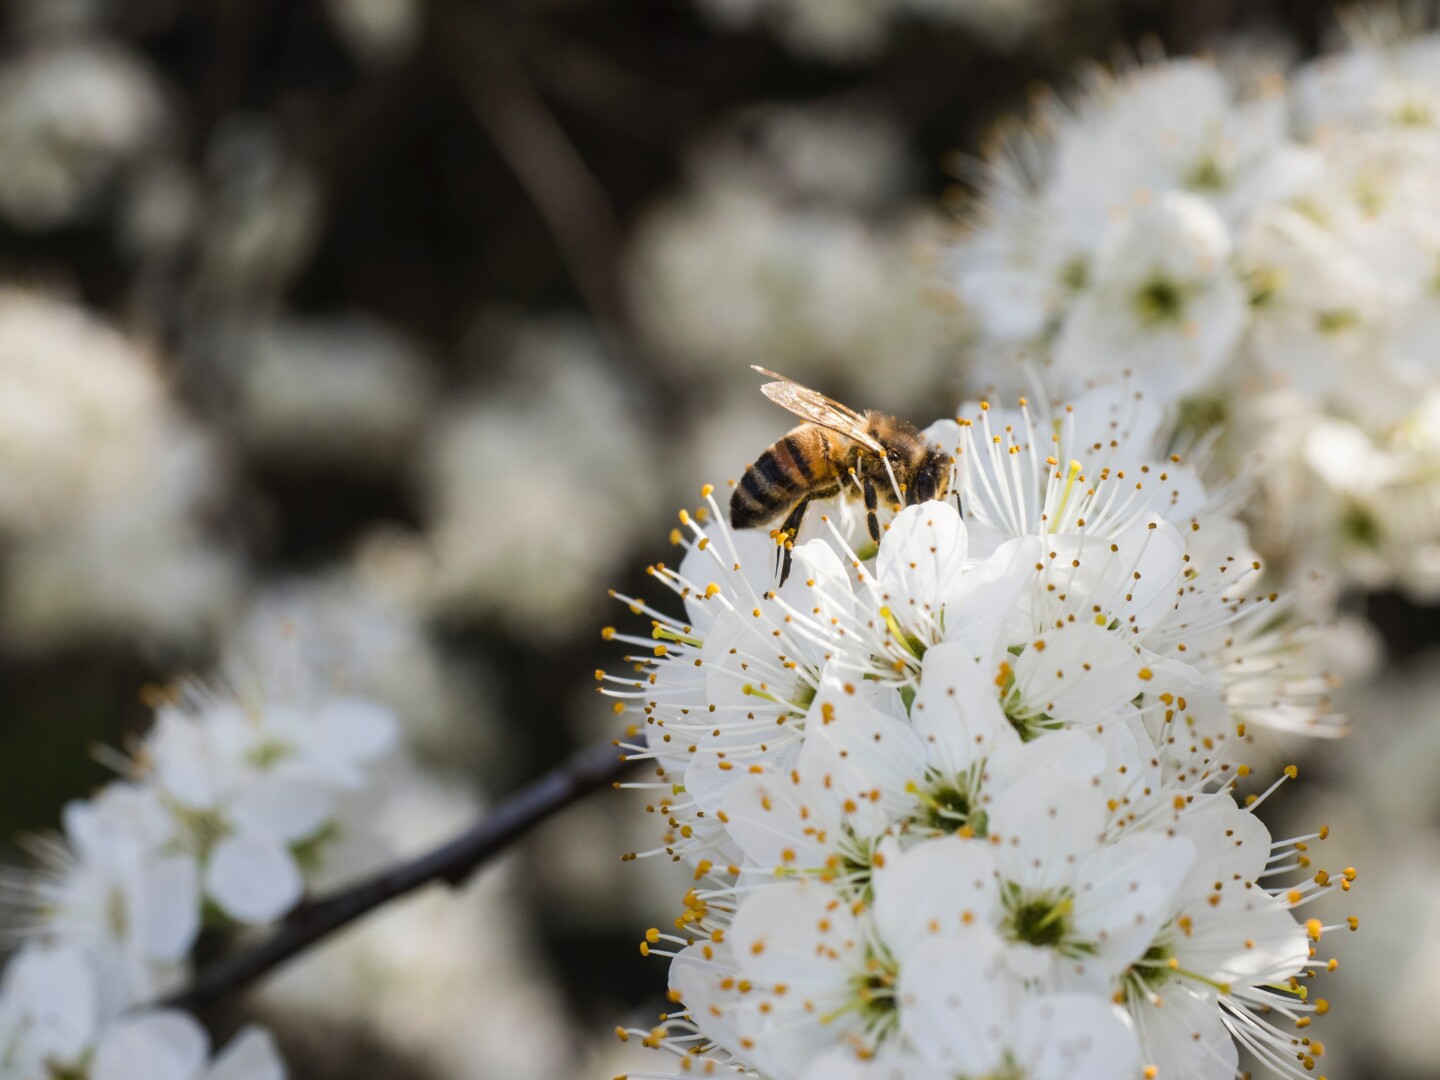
<point x="1206" y="175"/>
<point x="268" y="752"/>
<point x="1075" y="274"/>
<point x="1361" y="527"/>
<point x="1151" y="970"/>
<point x="947" y="808"/>
<point x="1336" y="320"/>
<point x="1414" y="114"/>
<point x="1160" y="301"/>
<point x="1043" y="921"/>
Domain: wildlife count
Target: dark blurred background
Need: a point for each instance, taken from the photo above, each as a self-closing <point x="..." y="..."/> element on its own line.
<point x="454" y="304"/>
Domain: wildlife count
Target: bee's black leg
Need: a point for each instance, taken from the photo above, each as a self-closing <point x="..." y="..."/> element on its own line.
<point x="872" y="503"/>
<point x="788" y="532"/>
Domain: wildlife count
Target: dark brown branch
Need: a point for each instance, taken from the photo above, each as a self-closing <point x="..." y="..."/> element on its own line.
<point x="452" y="862"/>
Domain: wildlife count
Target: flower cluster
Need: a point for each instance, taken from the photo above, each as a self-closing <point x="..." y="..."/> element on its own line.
<point x="1253" y="251"/>
<point x="960" y="804"/>
<point x="240" y="798"/>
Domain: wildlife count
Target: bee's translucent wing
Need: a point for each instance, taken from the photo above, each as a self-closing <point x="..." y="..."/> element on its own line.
<point x="818" y="409"/>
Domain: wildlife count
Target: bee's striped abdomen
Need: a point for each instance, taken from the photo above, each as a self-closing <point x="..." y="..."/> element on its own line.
<point x="777" y="480"/>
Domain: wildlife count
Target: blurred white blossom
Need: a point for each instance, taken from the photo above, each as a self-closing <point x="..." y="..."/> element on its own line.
<point x="536" y="488"/>
<point x="73" y="117"/>
<point x="261" y="214"/>
<point x="102" y="485"/>
<point x="380" y="32"/>
<point x="83" y="411"/>
<point x="347" y="392"/>
<point x="372" y="642"/>
<point x="853" y="31"/>
<point x="765" y="258"/>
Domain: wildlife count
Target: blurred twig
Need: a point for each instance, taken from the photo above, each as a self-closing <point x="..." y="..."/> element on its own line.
<point x="452" y="862"/>
<point x="566" y="193"/>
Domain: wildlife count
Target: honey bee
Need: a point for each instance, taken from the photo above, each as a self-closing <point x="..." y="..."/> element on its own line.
<point x="835" y="446"/>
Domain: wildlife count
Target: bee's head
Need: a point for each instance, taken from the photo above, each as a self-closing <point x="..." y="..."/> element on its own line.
<point x="932" y="478"/>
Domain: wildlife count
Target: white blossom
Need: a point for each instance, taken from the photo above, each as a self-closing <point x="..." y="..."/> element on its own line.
<point x="114" y="890"/>
<point x="51" y="1025"/>
<point x="253" y="778"/>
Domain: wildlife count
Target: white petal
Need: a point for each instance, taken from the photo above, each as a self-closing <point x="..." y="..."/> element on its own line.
<point x="819" y="585"/>
<point x="1079" y="755"/>
<point x="1247" y="937"/>
<point x="187" y="764"/>
<point x="282" y="808"/>
<point x="1079" y="674"/>
<point x="922" y="559"/>
<point x="1183" y="1036"/>
<point x="168" y="908"/>
<point x="52" y="992"/>
<point x="755" y="552"/>
<point x="356" y="729"/>
<point x="1151" y="558"/>
<point x="797" y="933"/>
<point x="1127" y="893"/>
<point x="865" y="757"/>
<point x="956" y="1002"/>
<point x="707" y="782"/>
<point x="957" y="711"/>
<point x="1074" y="1037"/>
<point x="1232" y="845"/>
<point x="938" y="887"/>
<point x="800" y="934"/>
<point x="1042" y="829"/>
<point x="254" y="880"/>
<point x="887" y="1063"/>
<point x="988" y="597"/>
<point x="157" y="1046"/>
<point x="703" y="977"/>
<point x="251" y="1055"/>
<point x="779" y="820"/>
